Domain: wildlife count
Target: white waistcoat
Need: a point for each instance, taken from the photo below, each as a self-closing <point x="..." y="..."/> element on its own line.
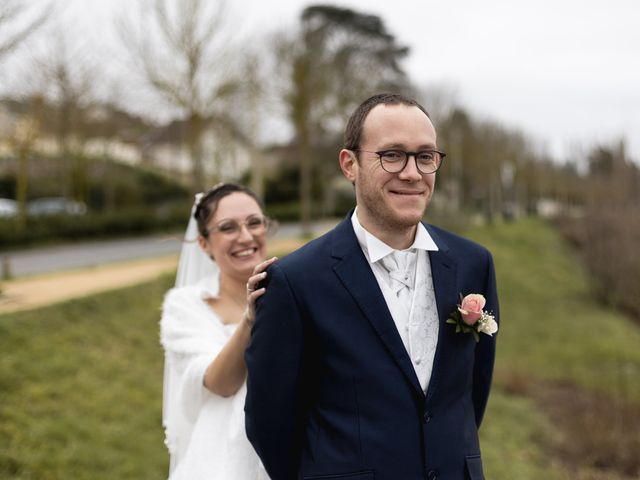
<point x="417" y="323"/>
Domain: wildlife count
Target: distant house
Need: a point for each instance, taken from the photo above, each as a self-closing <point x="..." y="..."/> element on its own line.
<point x="104" y="130"/>
<point x="97" y="130"/>
<point x="168" y="148"/>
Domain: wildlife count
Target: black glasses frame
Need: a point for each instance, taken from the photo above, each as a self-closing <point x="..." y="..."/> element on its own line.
<point x="406" y="154"/>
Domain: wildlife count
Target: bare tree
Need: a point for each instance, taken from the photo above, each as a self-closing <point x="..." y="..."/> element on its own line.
<point x="23" y="139"/>
<point x="339" y="57"/>
<point x="184" y="53"/>
<point x="440" y="99"/>
<point x="17" y="23"/>
<point x="255" y="93"/>
<point x="64" y="76"/>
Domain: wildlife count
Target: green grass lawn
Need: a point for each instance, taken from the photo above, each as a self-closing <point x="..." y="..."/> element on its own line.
<point x="80" y="388"/>
<point x="553" y="332"/>
<point x="80" y="382"/>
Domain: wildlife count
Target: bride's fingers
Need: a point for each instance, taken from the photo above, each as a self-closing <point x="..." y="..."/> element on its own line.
<point x="251" y="298"/>
<point x="254" y="280"/>
<point x="250" y="311"/>
<point x="263" y="265"/>
<point x="259" y="274"/>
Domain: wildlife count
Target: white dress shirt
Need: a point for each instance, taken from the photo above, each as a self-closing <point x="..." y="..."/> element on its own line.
<point x="414" y="310"/>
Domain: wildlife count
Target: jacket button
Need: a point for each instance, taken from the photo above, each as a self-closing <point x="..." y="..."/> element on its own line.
<point x="427" y="417"/>
<point x="432" y="475"/>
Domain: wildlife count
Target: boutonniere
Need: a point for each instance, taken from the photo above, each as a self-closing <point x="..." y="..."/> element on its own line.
<point x="470" y="317"/>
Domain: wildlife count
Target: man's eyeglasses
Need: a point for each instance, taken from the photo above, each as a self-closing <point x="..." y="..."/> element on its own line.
<point x="394" y="161"/>
<point x="256" y="225"/>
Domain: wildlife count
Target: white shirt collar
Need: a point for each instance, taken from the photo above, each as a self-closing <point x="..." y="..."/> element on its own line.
<point x="375" y="249"/>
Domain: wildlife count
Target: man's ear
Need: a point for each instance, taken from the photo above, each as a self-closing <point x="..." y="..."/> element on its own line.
<point x="348" y="164"/>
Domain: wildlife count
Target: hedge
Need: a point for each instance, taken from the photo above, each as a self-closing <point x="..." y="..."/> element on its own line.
<point x="44" y="229"/>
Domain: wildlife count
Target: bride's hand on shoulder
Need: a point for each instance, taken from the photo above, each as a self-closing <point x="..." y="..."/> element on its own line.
<point x="253" y="293"/>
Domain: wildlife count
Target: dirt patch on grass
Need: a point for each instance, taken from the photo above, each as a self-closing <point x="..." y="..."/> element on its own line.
<point x="40" y="290"/>
<point x="34" y="292"/>
<point x="596" y="436"/>
<point x="597" y="431"/>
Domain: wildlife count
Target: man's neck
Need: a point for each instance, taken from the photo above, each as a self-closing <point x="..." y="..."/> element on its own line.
<point x="399" y="238"/>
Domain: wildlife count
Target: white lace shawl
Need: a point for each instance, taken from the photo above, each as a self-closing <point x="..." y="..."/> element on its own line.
<point x="186" y="329"/>
<point x="192" y="337"/>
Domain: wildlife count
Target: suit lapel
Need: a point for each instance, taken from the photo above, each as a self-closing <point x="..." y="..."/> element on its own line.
<point x="354" y="272"/>
<point x="443" y="270"/>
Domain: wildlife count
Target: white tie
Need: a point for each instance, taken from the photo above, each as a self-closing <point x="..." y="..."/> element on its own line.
<point x="401" y="270"/>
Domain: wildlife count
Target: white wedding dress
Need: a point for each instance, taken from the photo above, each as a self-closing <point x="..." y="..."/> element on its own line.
<point x="205" y="433"/>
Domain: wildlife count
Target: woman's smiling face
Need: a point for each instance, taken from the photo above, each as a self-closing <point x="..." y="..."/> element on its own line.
<point x="236" y="253"/>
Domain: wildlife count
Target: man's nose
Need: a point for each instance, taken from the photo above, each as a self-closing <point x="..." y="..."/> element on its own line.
<point x="410" y="170"/>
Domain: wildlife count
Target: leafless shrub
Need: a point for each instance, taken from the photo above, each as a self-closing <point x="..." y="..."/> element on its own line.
<point x="609" y="242"/>
<point x="597" y="432"/>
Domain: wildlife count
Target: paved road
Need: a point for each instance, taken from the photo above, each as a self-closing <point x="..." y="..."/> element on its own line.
<point x="86" y="254"/>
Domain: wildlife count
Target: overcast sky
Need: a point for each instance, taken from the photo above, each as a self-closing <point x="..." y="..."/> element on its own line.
<point x="566" y="72"/>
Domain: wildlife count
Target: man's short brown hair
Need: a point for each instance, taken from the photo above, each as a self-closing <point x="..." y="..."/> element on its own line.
<point x="353" y="131"/>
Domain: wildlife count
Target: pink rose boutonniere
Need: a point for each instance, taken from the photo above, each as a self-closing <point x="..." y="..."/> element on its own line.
<point x="470" y="317"/>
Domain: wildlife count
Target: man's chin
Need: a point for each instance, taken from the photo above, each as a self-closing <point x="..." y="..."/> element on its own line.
<point x="404" y="223"/>
<point x="409" y="219"/>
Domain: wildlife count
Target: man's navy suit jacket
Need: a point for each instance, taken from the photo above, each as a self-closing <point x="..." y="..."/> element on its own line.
<point x="331" y="390"/>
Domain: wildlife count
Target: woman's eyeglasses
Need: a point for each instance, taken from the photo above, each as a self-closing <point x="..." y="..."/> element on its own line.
<point x="256" y="225"/>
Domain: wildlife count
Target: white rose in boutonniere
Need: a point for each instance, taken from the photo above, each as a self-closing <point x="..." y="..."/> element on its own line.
<point x="470" y="317"/>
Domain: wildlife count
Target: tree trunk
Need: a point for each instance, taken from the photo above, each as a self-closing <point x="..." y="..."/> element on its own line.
<point x="194" y="135"/>
<point x="22" y="183"/>
<point x="305" y="182"/>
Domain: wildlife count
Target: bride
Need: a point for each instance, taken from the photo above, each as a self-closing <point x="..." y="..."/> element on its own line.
<point x="205" y="328"/>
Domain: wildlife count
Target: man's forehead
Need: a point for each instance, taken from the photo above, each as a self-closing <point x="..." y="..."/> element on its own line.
<point x="386" y="116"/>
<point x="395" y="111"/>
<point x="410" y="106"/>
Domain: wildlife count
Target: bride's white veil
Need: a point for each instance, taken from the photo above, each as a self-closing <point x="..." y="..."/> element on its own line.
<point x="193" y="266"/>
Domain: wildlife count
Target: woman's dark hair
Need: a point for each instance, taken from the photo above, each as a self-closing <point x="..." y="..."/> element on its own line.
<point x="208" y="204"/>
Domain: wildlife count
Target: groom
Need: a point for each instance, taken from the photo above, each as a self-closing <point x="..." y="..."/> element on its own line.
<point x="353" y="372"/>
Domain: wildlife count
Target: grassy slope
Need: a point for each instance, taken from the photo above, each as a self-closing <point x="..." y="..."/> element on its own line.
<point x="553" y="329"/>
<point x="80" y="383"/>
